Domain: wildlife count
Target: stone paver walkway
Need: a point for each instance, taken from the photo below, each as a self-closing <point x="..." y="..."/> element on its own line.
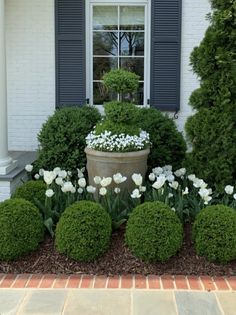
<point x="126" y="295"/>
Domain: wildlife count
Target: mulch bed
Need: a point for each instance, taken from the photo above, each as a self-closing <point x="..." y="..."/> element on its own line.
<point x="117" y="260"/>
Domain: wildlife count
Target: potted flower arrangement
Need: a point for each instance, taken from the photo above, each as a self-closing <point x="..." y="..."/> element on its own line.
<point x="117" y="144"/>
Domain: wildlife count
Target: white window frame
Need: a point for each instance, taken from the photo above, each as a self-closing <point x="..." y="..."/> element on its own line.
<point x="89" y="52"/>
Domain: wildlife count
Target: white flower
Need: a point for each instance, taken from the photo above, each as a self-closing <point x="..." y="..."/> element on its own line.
<point x="82" y="182"/>
<point x="36" y="176"/>
<point x="234" y="196"/>
<point x="135" y="194"/>
<point x="199" y="183"/>
<point x="29" y="168"/>
<point x="67" y="187"/>
<point x="152" y="177"/>
<point x="229" y="189"/>
<point x="118" y="178"/>
<point x="49" y="193"/>
<point x="97" y="180"/>
<point x="59" y="181"/>
<point x="203" y="192"/>
<point x="91" y="189"/>
<point x="142" y="188"/>
<point x="170" y="178"/>
<point x="103" y="191"/>
<point x="167" y="168"/>
<point x="159" y="182"/>
<point x="173" y="209"/>
<point x="207" y="199"/>
<point x="170" y="195"/>
<point x="157" y="171"/>
<point x="186" y="191"/>
<point x="174" y="185"/>
<point x="73" y="190"/>
<point x="80" y="190"/>
<point x="62" y="174"/>
<point x="181" y="172"/>
<point x="192" y="177"/>
<point x="41" y="171"/>
<point x="106" y="181"/>
<point x="117" y="190"/>
<point x="48" y="177"/>
<point x="80" y="173"/>
<point x="69" y="173"/>
<point x="137" y="179"/>
<point x="56" y="170"/>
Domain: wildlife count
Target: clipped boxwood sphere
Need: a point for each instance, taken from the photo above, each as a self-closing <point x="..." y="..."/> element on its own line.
<point x="214" y="233"/>
<point x="31" y="191"/>
<point x="21" y="228"/>
<point x="154" y="232"/>
<point x="84" y="231"/>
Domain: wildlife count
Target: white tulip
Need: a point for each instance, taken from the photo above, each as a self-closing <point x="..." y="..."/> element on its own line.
<point x="82" y="182"/>
<point x="181" y="172"/>
<point x="41" y="171"/>
<point x="49" y="193"/>
<point x="157" y="171"/>
<point x="170" y="195"/>
<point x="118" y="178"/>
<point x="29" y="168"/>
<point x="170" y="178"/>
<point x="59" y="181"/>
<point x="97" y="180"/>
<point x="80" y="173"/>
<point x="167" y="168"/>
<point x="91" y="189"/>
<point x="36" y="176"/>
<point x="137" y="179"/>
<point x="117" y="190"/>
<point x="142" y="188"/>
<point x="229" y="189"/>
<point x="135" y="194"/>
<point x="186" y="191"/>
<point x="67" y="187"/>
<point x="174" y="185"/>
<point x="48" y="177"/>
<point x="62" y="174"/>
<point x="103" y="191"/>
<point x="207" y="199"/>
<point x="192" y="177"/>
<point x="199" y="183"/>
<point x="106" y="181"/>
<point x="80" y="190"/>
<point x="173" y="209"/>
<point x="159" y="182"/>
<point x="56" y="170"/>
<point x="234" y="196"/>
<point x="152" y="177"/>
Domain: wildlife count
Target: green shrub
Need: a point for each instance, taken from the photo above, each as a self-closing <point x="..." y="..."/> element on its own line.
<point x="121" y="112"/>
<point x="83" y="232"/>
<point x="108" y="125"/>
<point x="154" y="232"/>
<point x="214" y="233"/>
<point x="21" y="228"/>
<point x="168" y="145"/>
<point x="121" y="81"/>
<point x="212" y="131"/>
<point x="31" y="191"/>
<point x="62" y="137"/>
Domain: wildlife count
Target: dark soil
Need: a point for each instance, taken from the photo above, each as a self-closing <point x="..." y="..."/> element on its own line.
<point x="117" y="260"/>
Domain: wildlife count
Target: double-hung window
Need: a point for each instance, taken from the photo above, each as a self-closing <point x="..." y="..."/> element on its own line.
<point x="118" y="37"/>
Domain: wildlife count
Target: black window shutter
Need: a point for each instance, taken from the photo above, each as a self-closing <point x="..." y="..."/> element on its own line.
<point x="165" y="54"/>
<point x="70" y="52"/>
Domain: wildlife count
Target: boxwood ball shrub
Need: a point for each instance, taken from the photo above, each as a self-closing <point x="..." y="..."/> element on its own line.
<point x="84" y="231"/>
<point x="214" y="233"/>
<point x="31" y="191"/>
<point x="62" y="137"/>
<point x="168" y="145"/>
<point x="21" y="228"/>
<point x="154" y="232"/>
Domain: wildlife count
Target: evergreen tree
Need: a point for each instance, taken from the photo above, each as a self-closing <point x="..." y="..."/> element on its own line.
<point x="212" y="130"/>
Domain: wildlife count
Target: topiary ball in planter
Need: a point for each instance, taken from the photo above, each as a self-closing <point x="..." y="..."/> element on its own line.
<point x="154" y="232"/>
<point x="84" y="231"/>
<point x="31" y="191"/>
<point x="214" y="233"/>
<point x="21" y="228"/>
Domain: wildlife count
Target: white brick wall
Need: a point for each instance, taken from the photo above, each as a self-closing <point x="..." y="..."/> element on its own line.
<point x="31" y="65"/>
<point x="31" y="69"/>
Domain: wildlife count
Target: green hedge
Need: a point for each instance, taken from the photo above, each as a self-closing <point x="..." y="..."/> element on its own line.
<point x="21" y="228"/>
<point x="83" y="231"/>
<point x="31" y="191"/>
<point x="154" y="232"/>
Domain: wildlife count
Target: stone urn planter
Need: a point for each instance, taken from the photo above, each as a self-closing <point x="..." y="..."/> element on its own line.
<point x="106" y="164"/>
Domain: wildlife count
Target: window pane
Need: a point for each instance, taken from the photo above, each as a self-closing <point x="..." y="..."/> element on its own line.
<point x="105" y="43"/>
<point x="101" y="94"/>
<point x="105" y="18"/>
<point x="132" y="18"/>
<point x="132" y="44"/>
<point x="103" y="65"/>
<point x="135" y="65"/>
<point x="136" y="97"/>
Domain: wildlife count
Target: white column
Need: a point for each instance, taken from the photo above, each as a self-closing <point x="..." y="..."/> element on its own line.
<point x="6" y="163"/>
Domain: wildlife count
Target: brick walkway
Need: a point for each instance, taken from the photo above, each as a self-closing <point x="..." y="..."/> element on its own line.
<point x="125" y="295"/>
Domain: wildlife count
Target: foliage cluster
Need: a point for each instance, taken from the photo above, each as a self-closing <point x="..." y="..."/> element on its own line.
<point x="33" y="191"/>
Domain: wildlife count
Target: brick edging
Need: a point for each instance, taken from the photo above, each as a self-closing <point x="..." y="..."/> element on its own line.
<point x="166" y="282"/>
